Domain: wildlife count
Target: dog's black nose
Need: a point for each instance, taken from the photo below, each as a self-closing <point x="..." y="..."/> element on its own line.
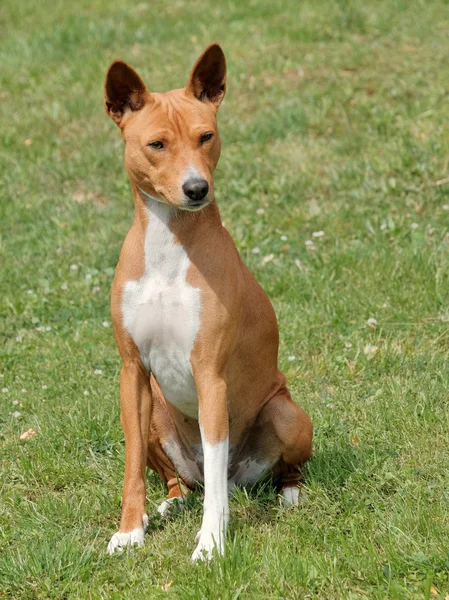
<point x="196" y="189"/>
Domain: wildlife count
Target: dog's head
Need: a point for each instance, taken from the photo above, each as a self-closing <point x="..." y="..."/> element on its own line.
<point x="172" y="144"/>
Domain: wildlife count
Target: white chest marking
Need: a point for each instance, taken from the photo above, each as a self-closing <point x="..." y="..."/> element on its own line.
<point x="161" y="312"/>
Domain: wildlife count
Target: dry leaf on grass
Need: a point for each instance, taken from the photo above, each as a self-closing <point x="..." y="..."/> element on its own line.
<point x="26" y="435"/>
<point x="166" y="586"/>
<point x="83" y="197"/>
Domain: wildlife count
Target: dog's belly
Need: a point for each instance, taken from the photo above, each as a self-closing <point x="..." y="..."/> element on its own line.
<point x="243" y="471"/>
<point x="189" y="464"/>
<point x="247" y="471"/>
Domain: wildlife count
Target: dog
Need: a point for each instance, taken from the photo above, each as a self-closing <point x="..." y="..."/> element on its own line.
<point x="202" y="399"/>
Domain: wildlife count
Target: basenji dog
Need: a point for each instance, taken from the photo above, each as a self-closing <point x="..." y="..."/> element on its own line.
<point x="202" y="399"/>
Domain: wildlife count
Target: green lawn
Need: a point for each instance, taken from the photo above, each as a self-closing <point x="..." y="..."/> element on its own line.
<point x="336" y="120"/>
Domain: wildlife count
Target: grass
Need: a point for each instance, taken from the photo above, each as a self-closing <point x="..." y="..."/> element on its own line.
<point x="335" y="121"/>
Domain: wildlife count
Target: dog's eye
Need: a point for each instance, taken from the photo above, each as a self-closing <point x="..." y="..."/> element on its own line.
<point x="156" y="145"/>
<point x="206" y="137"/>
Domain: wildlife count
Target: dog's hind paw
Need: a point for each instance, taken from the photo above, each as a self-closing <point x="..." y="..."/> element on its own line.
<point x="290" y="495"/>
<point x="171" y="506"/>
<point x="120" y="539"/>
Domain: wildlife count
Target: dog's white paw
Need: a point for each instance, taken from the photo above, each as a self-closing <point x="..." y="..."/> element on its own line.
<point x="207" y="541"/>
<point x="120" y="540"/>
<point x="290" y="495"/>
<point x="171" y="506"/>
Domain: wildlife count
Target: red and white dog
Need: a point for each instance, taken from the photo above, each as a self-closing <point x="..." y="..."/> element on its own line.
<point x="201" y="395"/>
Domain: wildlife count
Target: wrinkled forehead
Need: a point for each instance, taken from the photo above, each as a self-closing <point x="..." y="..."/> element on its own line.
<point x="173" y="115"/>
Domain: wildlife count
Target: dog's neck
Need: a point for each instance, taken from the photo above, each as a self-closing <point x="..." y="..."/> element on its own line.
<point x="184" y="225"/>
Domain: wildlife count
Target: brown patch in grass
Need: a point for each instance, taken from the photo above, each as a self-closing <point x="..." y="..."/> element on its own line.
<point x="83" y="197"/>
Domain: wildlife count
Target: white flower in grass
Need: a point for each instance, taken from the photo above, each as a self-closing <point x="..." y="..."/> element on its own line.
<point x="256" y="250"/>
<point x="371" y="322"/>
<point x="74" y="267"/>
<point x="95" y="289"/>
<point x="89" y="276"/>
<point x="414" y="225"/>
<point x="15" y="402"/>
<point x="105" y="323"/>
<point x="24" y="390"/>
<point x="310" y="245"/>
<point x="44" y="387"/>
<point x="318" y="234"/>
<point x="98" y="372"/>
<point x="291" y="358"/>
<point x="268" y="258"/>
<point x="284" y="238"/>
<point x="260" y="211"/>
<point x="64" y="287"/>
<point x="348" y="345"/>
<point x="16" y="414"/>
<point x="445" y="207"/>
<point x="30" y="292"/>
<point x="370" y="350"/>
<point x="86" y="393"/>
<point x="5" y="390"/>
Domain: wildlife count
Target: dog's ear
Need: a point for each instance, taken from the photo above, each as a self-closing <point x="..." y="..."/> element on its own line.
<point x="207" y="81"/>
<point x="123" y="90"/>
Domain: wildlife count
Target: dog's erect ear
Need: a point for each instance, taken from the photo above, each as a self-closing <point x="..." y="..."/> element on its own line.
<point x="207" y="81"/>
<point x="123" y="90"/>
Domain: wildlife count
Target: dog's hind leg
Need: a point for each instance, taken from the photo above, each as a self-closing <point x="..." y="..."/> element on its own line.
<point x="288" y="428"/>
<point x="161" y="425"/>
<point x="159" y="462"/>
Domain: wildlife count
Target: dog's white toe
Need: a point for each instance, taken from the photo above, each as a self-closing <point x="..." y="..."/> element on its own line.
<point x="290" y="496"/>
<point x="171" y="506"/>
<point x="120" y="540"/>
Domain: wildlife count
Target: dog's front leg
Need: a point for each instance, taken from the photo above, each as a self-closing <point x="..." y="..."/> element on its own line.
<point x="136" y="405"/>
<point x="214" y="427"/>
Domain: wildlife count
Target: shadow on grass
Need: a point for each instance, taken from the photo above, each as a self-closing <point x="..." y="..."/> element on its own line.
<point x="331" y="468"/>
<point x="333" y="465"/>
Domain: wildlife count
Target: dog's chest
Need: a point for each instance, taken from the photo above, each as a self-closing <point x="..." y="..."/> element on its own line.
<point x="161" y="312"/>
